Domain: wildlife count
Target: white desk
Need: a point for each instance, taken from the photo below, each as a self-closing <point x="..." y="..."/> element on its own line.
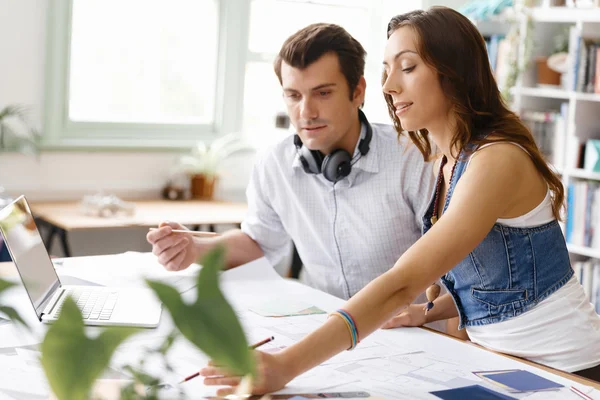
<point x="402" y="363"/>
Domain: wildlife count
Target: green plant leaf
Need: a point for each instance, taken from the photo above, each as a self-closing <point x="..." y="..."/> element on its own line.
<point x="5" y="285"/>
<point x="16" y="131"/>
<point x="13" y="315"/>
<point x="13" y="110"/>
<point x="210" y="322"/>
<point x="9" y="312"/>
<point x="71" y="360"/>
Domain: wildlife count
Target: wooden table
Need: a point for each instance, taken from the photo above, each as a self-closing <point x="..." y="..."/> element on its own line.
<point x="573" y="377"/>
<point x="66" y="216"/>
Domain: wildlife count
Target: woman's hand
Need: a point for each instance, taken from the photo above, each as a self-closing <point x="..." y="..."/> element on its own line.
<point x="272" y="374"/>
<point x="413" y="315"/>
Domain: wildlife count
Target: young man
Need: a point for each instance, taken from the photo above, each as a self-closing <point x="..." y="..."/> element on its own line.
<point x="347" y="192"/>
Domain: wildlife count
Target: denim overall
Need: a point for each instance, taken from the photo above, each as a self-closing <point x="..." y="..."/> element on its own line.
<point x="509" y="272"/>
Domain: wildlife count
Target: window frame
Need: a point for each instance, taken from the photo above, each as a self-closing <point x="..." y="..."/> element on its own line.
<point x="233" y="55"/>
<point x="61" y="133"/>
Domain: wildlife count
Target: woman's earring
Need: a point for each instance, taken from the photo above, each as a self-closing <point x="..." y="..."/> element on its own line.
<point x="432" y="293"/>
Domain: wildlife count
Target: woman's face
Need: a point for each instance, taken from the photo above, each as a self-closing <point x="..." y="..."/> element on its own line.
<point x="413" y="85"/>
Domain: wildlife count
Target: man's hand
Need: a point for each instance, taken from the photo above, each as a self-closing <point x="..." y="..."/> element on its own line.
<point x="413" y="315"/>
<point x="175" y="251"/>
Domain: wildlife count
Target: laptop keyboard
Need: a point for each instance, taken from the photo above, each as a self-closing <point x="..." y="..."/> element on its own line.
<point x="94" y="304"/>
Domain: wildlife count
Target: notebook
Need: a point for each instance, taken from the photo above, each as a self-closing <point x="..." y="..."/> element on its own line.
<point x="518" y="380"/>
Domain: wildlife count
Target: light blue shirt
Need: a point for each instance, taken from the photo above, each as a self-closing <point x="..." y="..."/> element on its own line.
<point x="379" y="210"/>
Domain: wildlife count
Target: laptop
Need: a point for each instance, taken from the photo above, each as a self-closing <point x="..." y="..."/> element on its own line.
<point x="104" y="306"/>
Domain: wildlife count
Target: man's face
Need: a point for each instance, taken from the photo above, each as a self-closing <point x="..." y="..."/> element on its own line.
<point x="318" y="102"/>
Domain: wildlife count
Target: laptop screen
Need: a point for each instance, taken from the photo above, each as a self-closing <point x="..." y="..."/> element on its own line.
<point x="28" y="252"/>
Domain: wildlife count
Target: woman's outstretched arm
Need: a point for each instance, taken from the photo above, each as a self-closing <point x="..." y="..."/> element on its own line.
<point x="484" y="194"/>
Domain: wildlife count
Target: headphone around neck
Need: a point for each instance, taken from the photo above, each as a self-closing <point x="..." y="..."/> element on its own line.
<point x="337" y="164"/>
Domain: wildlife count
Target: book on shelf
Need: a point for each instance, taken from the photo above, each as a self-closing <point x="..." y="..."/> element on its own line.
<point x="592" y="156"/>
<point x="549" y="131"/>
<point x="583" y="212"/>
<point x="573" y="60"/>
<point x="502" y="62"/>
<point x="575" y="152"/>
<point x="492" y="43"/>
<point x="596" y="288"/>
<point x="596" y="83"/>
<point x="588" y="274"/>
<point x="583" y="71"/>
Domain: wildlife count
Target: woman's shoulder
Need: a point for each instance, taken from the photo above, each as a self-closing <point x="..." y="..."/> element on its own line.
<point x="499" y="150"/>
<point x="501" y="164"/>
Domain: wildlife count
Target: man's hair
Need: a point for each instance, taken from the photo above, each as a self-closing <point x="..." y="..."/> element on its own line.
<point x="309" y="44"/>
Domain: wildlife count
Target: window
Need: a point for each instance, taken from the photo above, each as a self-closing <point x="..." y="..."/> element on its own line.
<point x="133" y="72"/>
<point x="152" y="66"/>
<point x="270" y="24"/>
<point x="165" y="73"/>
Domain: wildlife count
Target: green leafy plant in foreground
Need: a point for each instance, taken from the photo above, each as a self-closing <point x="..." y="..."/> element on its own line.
<point x="6" y="311"/>
<point x="210" y="322"/>
<point x="71" y="360"/>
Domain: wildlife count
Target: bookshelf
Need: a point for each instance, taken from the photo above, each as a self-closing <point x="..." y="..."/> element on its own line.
<point x="584" y="251"/>
<point x="578" y="111"/>
<point x="561" y="117"/>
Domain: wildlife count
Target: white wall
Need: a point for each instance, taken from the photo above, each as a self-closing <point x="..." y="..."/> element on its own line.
<point x="448" y="3"/>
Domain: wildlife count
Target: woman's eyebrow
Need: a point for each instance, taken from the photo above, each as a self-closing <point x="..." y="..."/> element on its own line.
<point x="398" y="55"/>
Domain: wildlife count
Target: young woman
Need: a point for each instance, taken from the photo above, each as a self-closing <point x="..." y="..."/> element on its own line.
<point x="491" y="231"/>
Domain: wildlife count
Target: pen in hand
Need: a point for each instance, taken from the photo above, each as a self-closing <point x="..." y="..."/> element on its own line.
<point x="252" y="347"/>
<point x="264" y="341"/>
<point x="193" y="233"/>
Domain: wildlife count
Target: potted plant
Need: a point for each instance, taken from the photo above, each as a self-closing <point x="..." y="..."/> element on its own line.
<point x="203" y="162"/>
<point x="16" y="132"/>
<point x="557" y="62"/>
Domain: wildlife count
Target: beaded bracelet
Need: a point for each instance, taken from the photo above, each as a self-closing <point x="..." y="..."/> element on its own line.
<point x="347" y="318"/>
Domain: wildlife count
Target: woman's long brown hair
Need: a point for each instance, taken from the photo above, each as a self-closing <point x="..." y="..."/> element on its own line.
<point x="450" y="44"/>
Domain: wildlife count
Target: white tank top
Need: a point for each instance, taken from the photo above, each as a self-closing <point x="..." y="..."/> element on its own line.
<point x="540" y="215"/>
<point x="527" y="336"/>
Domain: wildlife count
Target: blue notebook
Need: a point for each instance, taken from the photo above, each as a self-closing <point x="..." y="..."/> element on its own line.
<point x="519" y="380"/>
<point x="474" y="392"/>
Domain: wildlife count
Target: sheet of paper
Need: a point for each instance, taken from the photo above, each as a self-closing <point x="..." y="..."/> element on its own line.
<point x="109" y="270"/>
<point x="392" y="390"/>
<point x="257" y="270"/>
<point x="18" y="376"/>
<point x="282" y="307"/>
<point x="368" y="372"/>
<point x="317" y="380"/>
<point x="360" y="354"/>
<point x="564" y="393"/>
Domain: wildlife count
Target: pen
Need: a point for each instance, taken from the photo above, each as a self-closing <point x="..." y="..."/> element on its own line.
<point x="264" y="341"/>
<point x="193" y="233"/>
<point x="580" y="393"/>
<point x="254" y="346"/>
